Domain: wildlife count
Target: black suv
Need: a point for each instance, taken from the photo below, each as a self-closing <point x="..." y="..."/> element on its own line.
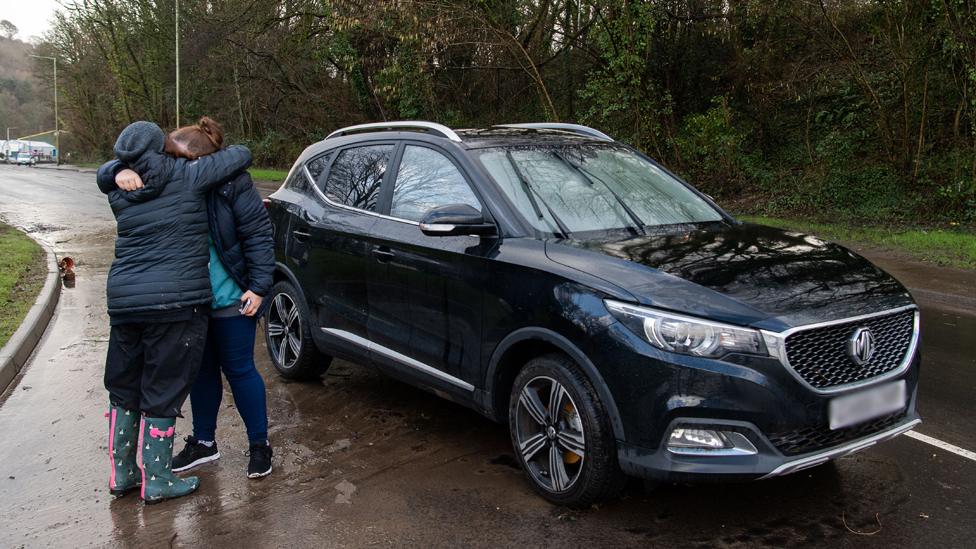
<point x="615" y="317"/>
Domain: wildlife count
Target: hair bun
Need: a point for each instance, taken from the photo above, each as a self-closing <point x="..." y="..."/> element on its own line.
<point x="206" y="124"/>
<point x="212" y="130"/>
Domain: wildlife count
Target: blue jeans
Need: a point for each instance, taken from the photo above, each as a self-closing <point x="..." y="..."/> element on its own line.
<point x="230" y="349"/>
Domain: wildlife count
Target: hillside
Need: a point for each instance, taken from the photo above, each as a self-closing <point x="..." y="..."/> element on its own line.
<point x="25" y="100"/>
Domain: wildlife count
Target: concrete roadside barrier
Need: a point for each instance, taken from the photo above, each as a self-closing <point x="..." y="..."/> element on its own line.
<point x="65" y="167"/>
<point x="18" y="349"/>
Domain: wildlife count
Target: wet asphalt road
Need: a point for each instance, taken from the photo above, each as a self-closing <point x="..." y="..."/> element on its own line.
<point x="362" y="460"/>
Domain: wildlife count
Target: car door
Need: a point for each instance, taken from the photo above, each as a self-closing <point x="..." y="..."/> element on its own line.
<point x="425" y="292"/>
<point x="329" y="238"/>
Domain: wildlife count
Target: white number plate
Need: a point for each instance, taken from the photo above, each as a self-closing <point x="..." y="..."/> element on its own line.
<point x="852" y="409"/>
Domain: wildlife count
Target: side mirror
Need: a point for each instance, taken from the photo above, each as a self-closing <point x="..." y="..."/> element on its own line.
<point x="456" y="220"/>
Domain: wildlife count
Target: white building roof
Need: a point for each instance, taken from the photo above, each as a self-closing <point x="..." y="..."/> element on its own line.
<point x="32" y="144"/>
<point x="23" y="144"/>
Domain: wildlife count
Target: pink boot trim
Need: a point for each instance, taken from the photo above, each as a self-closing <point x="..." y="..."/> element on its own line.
<point x="142" y="468"/>
<point x="111" y="449"/>
<point x="156" y="433"/>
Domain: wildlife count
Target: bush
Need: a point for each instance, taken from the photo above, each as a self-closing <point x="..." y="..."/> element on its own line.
<point x="716" y="152"/>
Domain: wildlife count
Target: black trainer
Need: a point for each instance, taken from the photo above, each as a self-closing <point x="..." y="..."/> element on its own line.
<point x="194" y="454"/>
<point x="260" y="464"/>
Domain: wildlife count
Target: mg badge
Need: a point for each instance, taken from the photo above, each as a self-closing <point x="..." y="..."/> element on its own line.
<point x="860" y="346"/>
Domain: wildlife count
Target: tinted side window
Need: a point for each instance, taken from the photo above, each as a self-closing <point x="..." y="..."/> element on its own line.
<point x="317" y="165"/>
<point x="356" y="176"/>
<point x="298" y="182"/>
<point x="427" y="179"/>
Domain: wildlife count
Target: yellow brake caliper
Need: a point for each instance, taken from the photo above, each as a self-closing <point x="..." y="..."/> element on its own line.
<point x="574" y="421"/>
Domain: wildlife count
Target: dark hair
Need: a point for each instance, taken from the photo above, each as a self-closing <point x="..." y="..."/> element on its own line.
<point x="200" y="139"/>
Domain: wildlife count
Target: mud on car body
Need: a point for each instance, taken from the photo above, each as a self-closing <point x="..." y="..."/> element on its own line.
<point x="617" y="319"/>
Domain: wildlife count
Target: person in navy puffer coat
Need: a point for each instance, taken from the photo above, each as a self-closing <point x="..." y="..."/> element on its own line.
<point x="159" y="297"/>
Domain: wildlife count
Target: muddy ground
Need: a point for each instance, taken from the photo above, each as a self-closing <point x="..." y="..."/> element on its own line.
<point x="362" y="460"/>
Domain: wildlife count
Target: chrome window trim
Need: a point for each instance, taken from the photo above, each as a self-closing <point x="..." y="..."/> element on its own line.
<point x="318" y="191"/>
<point x="841" y="451"/>
<point x="399" y="357"/>
<point x="776" y="345"/>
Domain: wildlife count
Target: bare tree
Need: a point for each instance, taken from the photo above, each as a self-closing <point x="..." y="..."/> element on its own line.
<point x="8" y="29"/>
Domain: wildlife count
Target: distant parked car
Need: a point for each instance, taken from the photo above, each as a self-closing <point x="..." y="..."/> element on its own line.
<point x="613" y="316"/>
<point x="25" y="160"/>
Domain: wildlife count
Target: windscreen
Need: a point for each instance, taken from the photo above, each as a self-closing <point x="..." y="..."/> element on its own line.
<point x="594" y="187"/>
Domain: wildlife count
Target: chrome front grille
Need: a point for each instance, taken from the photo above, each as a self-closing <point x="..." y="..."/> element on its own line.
<point x="819" y="355"/>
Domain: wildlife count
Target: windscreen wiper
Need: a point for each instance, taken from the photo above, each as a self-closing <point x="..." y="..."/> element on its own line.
<point x="639" y="224"/>
<point x="532" y="193"/>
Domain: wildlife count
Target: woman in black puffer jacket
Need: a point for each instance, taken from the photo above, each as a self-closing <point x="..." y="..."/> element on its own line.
<point x="158" y="303"/>
<point x="241" y="273"/>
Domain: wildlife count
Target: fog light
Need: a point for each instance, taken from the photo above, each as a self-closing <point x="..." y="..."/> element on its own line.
<point x="709" y="442"/>
<point x="696" y="438"/>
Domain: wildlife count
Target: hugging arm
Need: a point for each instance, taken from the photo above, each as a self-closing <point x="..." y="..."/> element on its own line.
<point x="106" y="175"/>
<point x="114" y="174"/>
<point x="207" y="171"/>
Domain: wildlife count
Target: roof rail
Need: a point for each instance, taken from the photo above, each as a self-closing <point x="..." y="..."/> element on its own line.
<point x="430" y="127"/>
<point x="574" y="128"/>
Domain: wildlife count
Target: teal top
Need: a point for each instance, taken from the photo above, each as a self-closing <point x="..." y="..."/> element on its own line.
<point x="226" y="292"/>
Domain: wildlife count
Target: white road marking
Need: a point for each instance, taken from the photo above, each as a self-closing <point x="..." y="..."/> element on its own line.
<point x="943" y="445"/>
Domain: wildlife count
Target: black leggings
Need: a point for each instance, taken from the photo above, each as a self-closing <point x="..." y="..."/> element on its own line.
<point x="151" y="366"/>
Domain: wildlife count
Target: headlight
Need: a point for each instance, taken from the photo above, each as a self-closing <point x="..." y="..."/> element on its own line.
<point x="687" y="335"/>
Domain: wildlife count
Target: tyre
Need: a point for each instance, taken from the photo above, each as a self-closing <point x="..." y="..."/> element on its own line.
<point x="287" y="333"/>
<point x="562" y="435"/>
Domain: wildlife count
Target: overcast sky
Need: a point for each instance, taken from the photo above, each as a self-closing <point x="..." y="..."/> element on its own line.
<point x="32" y="17"/>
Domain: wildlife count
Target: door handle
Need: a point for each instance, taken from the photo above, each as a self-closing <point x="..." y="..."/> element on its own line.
<point x="383" y="254"/>
<point x="300" y="236"/>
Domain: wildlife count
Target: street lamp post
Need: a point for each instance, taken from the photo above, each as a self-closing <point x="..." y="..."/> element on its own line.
<point x="177" y="18"/>
<point x="57" y="132"/>
<point x="6" y="153"/>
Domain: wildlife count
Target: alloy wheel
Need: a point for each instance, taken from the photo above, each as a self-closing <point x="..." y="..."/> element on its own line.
<point x="284" y="330"/>
<point x="550" y="434"/>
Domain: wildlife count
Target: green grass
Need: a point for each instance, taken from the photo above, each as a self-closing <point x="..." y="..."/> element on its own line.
<point x="259" y="174"/>
<point x="950" y="248"/>
<point x="22" y="273"/>
<point x="264" y="174"/>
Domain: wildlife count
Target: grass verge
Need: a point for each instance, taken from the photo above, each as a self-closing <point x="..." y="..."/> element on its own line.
<point x="22" y="274"/>
<point x="264" y="174"/>
<point x="258" y="174"/>
<point x="949" y="248"/>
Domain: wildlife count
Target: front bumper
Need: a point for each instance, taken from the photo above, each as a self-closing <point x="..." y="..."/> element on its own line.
<point x="799" y="464"/>
<point x="757" y="397"/>
<point x="662" y="464"/>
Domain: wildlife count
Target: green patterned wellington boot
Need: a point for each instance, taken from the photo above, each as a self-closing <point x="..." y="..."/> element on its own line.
<point x="123" y="437"/>
<point x="156" y="461"/>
